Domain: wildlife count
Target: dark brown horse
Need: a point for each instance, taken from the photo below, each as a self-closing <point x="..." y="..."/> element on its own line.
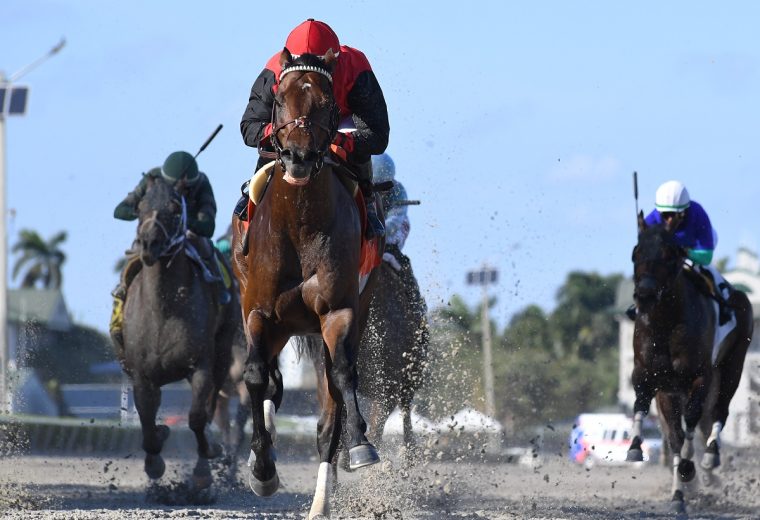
<point x="673" y="354"/>
<point x="394" y="348"/>
<point x="298" y="268"/>
<point x="174" y="328"/>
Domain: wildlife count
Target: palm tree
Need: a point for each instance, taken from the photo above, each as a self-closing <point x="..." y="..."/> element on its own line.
<point x="41" y="260"/>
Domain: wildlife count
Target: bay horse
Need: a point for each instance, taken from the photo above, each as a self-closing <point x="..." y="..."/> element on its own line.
<point x="673" y="354"/>
<point x="174" y="328"/>
<point x="297" y="263"/>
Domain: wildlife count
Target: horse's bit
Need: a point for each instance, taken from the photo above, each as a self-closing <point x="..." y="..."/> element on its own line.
<point x="304" y="122"/>
<point x="175" y="241"/>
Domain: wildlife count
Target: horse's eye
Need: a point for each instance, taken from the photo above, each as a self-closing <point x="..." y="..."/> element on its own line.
<point x="286" y="152"/>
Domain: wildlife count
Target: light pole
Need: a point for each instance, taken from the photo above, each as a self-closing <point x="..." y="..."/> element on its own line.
<point x="484" y="277"/>
<point x="12" y="102"/>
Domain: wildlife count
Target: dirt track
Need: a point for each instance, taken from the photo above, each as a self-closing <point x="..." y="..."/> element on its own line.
<point x="61" y="487"/>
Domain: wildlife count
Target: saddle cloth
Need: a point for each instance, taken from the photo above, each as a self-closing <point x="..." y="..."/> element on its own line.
<point x="369" y="255"/>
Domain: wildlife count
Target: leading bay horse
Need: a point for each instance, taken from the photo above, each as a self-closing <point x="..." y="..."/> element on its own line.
<point x="174" y="328"/>
<point x="673" y="354"/>
<point x="298" y="268"/>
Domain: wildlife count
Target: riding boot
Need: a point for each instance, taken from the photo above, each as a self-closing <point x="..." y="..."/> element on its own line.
<point x="115" y="327"/>
<point x="241" y="208"/>
<point x="375" y="227"/>
<point x="207" y="251"/>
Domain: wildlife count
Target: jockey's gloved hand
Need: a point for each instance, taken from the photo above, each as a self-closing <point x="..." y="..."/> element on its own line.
<point x="342" y="145"/>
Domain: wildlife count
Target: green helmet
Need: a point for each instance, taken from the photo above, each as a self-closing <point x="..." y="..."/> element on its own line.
<point x="180" y="165"/>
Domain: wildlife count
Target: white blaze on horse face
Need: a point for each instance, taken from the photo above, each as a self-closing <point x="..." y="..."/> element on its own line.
<point x="306" y="86"/>
<point x="321" y="505"/>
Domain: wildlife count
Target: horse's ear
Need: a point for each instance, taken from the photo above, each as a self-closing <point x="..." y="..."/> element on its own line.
<point x="642" y="222"/>
<point x="329" y="58"/>
<point x="285" y="58"/>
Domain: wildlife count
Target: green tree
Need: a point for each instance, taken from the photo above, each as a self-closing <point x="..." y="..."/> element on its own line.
<point x="40" y="260"/>
<point x="528" y="329"/>
<point x="580" y="322"/>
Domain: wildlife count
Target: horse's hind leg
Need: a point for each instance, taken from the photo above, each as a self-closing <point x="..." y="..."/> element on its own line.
<point x="341" y="337"/>
<point x="645" y="391"/>
<point x="729" y="374"/>
<point x="147" y="401"/>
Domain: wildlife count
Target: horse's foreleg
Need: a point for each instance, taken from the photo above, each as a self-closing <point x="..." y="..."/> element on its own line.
<point x="264" y="480"/>
<point x="147" y="401"/>
<point x="342" y="340"/>
<point x="670" y="407"/>
<point x="645" y="391"/>
<point x="329" y="430"/>
<point x="204" y="397"/>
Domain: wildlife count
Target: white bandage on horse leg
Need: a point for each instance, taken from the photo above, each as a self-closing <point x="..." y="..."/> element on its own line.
<point x="269" y="413"/>
<point x="677" y="484"/>
<point x="717" y="427"/>
<point x="321" y="503"/>
<point x="638" y="418"/>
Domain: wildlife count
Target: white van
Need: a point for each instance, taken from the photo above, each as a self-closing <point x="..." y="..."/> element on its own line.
<point x="604" y="438"/>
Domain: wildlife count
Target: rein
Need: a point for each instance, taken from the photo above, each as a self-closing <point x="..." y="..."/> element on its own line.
<point x="175" y="241"/>
<point x="303" y="122"/>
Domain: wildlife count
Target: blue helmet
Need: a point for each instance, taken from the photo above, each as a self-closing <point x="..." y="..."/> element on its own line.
<point x="383" y="168"/>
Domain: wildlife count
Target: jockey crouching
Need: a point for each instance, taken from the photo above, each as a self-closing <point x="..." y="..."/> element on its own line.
<point x="358" y="97"/>
<point x="692" y="230"/>
<point x="397" y="227"/>
<point x="180" y="170"/>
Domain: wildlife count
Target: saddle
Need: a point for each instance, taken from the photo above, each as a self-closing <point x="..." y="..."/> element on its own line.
<point x="370" y="254"/>
<point x="705" y="283"/>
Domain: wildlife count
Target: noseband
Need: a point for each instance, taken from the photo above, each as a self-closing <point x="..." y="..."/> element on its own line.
<point x="304" y="122"/>
<point x="175" y="241"/>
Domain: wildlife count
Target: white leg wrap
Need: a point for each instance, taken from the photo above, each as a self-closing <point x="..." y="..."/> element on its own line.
<point x="717" y="427"/>
<point x="638" y="417"/>
<point x="269" y="412"/>
<point x="677" y="484"/>
<point x="321" y="503"/>
<point x="687" y="450"/>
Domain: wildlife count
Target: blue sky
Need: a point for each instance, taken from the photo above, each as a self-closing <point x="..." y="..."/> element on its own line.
<point x="517" y="124"/>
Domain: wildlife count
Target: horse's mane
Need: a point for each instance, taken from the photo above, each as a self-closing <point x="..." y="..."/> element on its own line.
<point x="159" y="193"/>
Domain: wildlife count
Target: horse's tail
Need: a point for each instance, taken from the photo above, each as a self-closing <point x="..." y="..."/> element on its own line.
<point x="312" y="346"/>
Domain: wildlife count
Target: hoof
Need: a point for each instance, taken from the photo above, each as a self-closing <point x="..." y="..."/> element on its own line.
<point x="677" y="507"/>
<point x="362" y="455"/>
<point x="707" y="478"/>
<point x="634" y="455"/>
<point x="154" y="466"/>
<point x="686" y="471"/>
<point x="711" y="458"/>
<point x="264" y="489"/>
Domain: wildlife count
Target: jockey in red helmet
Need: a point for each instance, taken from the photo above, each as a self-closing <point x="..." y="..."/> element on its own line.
<point x="356" y="92"/>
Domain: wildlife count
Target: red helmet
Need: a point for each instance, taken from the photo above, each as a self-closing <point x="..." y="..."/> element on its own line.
<point x="312" y="37"/>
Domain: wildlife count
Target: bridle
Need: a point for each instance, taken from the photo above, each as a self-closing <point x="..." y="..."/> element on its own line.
<point x="303" y="122"/>
<point x="674" y="267"/>
<point x="174" y="241"/>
